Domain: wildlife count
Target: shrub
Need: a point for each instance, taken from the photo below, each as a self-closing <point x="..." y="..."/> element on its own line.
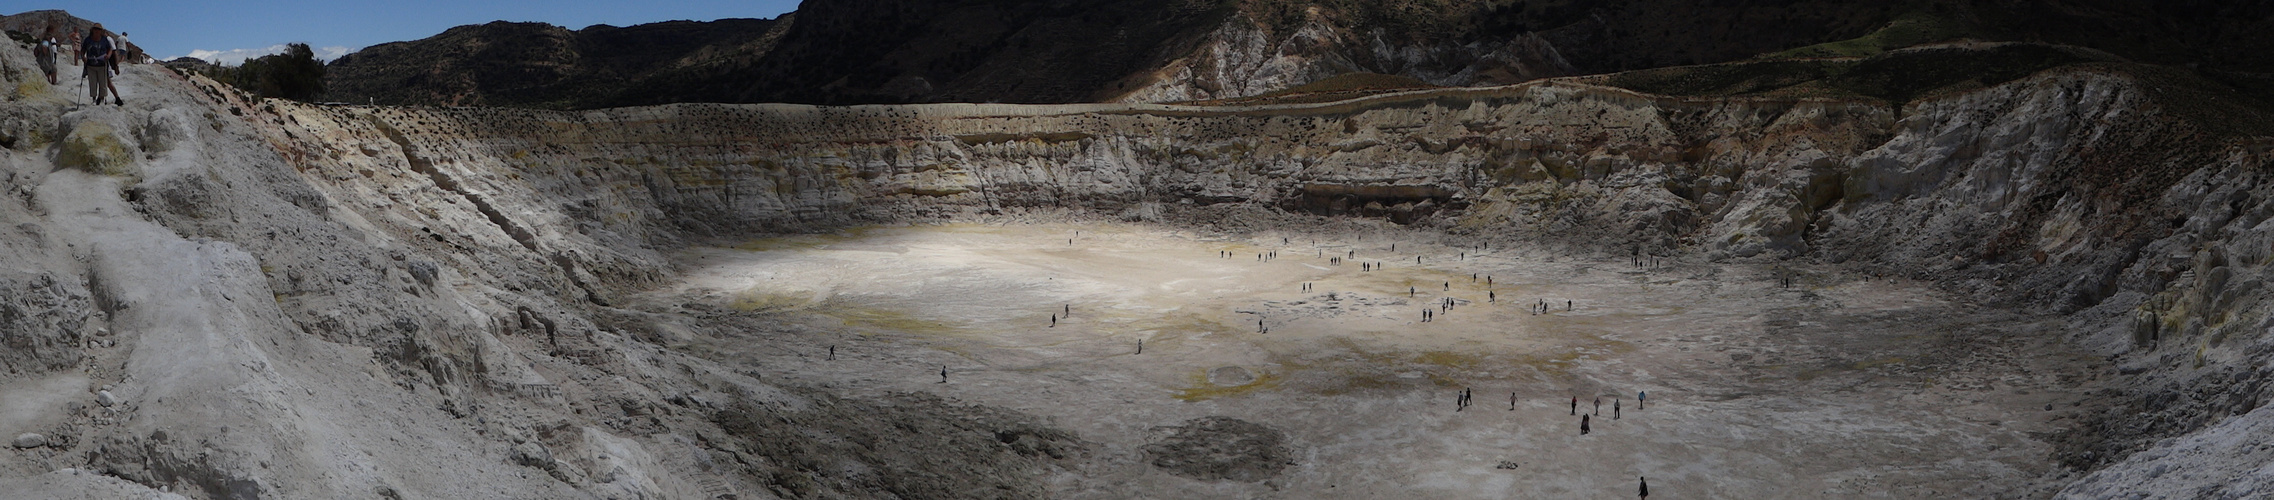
<point x="294" y="74"/>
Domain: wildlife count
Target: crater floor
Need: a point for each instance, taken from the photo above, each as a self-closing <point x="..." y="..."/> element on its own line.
<point x="1761" y="382"/>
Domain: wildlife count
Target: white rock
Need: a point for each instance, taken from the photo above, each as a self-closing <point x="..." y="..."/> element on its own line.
<point x="106" y="399"/>
<point x="30" y="440"/>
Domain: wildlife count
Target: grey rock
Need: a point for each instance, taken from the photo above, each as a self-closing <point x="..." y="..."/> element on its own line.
<point x="30" y="440"/>
<point x="105" y="398"/>
<point x="532" y="455"/>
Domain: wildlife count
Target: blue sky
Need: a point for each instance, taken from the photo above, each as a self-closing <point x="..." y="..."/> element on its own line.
<point x="233" y="29"/>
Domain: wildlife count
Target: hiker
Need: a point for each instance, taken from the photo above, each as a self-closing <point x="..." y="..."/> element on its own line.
<point x="1448" y="286"/>
<point x="97" y="53"/>
<point x="832" y="352"/>
<point x="1567" y="304"/>
<point x="73" y="44"/>
<point x="1598" y="405"/>
<point x="1140" y="346"/>
<point x="1575" y="405"/>
<point x="1491" y="297"/>
<point x="943" y="374"/>
<point x="1640" y="397"/>
<point x="1409" y="291"/>
<point x="1645" y="486"/>
<point x="1054" y="320"/>
<point x="1511" y="400"/>
<point x="125" y="52"/>
<point x="45" y="54"/>
<point x="1614" y="409"/>
<point x="1583" y="425"/>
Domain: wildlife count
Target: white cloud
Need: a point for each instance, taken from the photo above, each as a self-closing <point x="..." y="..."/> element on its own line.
<point x="235" y="57"/>
<point x="332" y="52"/>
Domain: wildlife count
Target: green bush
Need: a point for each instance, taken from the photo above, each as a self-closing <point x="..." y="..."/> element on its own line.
<point x="294" y="74"/>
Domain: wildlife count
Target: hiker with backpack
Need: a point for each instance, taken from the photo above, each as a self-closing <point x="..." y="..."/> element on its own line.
<point x="45" y="53"/>
<point x="99" y="54"/>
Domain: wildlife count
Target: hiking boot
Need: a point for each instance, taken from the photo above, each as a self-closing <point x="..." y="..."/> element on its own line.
<point x="118" y="102"/>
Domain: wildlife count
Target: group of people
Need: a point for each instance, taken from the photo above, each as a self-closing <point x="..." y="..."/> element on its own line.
<point x="99" y="55"/>
<point x="1639" y="398"/>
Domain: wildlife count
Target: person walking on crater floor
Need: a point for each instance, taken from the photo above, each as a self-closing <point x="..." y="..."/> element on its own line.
<point x="943" y="374"/>
<point x="1583" y="428"/>
<point x="1575" y="405"/>
<point x="1054" y="320"/>
<point x="1598" y="405"/>
<point x="1614" y="409"/>
<point x="1645" y="487"/>
<point x="1641" y="397"/>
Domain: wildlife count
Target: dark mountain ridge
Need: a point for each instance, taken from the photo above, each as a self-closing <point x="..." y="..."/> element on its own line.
<point x="1060" y="51"/>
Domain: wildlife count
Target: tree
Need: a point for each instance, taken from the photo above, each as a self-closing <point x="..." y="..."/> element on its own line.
<point x="294" y="74"/>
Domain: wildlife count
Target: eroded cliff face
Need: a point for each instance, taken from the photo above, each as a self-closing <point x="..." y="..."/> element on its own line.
<point x="1243" y="58"/>
<point x="442" y="281"/>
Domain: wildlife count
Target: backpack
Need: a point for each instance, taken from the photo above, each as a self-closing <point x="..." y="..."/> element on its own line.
<point x="45" y="49"/>
<point x="97" y="50"/>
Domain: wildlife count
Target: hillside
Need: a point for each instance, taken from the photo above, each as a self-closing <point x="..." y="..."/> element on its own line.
<point x="904" y="51"/>
<point x="900" y="51"/>
<point x="540" y="65"/>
